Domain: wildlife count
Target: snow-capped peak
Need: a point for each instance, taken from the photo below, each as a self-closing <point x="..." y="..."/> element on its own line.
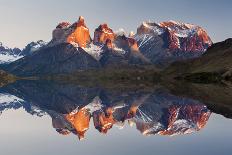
<point x="39" y="44"/>
<point x="8" y="58"/>
<point x="179" y="36"/>
<point x="8" y="102"/>
<point x="120" y="32"/>
<point x="181" y="29"/>
<point x="2" y="46"/>
<point x="7" y="98"/>
<point x="8" y="55"/>
<point x="33" y="46"/>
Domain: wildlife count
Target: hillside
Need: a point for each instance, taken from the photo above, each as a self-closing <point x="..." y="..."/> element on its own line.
<point x="213" y="66"/>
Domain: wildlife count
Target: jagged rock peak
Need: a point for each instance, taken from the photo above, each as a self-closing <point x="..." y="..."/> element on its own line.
<point x="63" y="25"/>
<point x="76" y="34"/>
<point x="179" y="36"/>
<point x="81" y="21"/>
<point x="103" y="33"/>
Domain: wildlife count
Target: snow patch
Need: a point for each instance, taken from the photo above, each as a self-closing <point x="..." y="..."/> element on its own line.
<point x="181" y="30"/>
<point x="7" y="98"/>
<point x="143" y="39"/>
<point x="119" y="50"/>
<point x="182" y="127"/>
<point x="8" y="58"/>
<point x="94" y="50"/>
<point x="156" y="29"/>
<point x="95" y="105"/>
<point x="5" y="47"/>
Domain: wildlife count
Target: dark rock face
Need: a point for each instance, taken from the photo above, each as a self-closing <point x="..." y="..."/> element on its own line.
<point x="125" y="53"/>
<point x="112" y="58"/>
<point x="63" y="58"/>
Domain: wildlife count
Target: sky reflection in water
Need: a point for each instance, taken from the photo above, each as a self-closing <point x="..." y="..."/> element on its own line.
<point x="51" y="118"/>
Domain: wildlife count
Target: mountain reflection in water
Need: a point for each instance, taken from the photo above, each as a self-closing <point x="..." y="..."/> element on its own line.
<point x="72" y="108"/>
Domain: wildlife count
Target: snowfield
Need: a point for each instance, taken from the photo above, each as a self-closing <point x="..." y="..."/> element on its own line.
<point x="8" y="58"/>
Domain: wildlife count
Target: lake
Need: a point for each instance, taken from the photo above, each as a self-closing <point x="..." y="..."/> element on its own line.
<point x="42" y="117"/>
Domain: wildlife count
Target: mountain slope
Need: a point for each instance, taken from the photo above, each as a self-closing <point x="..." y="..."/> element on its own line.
<point x="215" y="64"/>
<point x="62" y="58"/>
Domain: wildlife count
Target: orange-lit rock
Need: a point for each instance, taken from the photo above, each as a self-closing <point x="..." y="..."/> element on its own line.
<point x="190" y="113"/>
<point x="199" y="118"/>
<point x="168" y="24"/>
<point x="203" y="119"/>
<point x="80" y="120"/>
<point x="77" y="34"/>
<point x="198" y="41"/>
<point x="103" y="33"/>
<point x="104" y="121"/>
<point x="173" y="113"/>
<point x="204" y="36"/>
<point x="178" y="120"/>
<point x="173" y="41"/>
<point x="80" y="34"/>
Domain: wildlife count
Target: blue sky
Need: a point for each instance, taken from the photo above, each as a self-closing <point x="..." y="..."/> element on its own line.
<point x="23" y="21"/>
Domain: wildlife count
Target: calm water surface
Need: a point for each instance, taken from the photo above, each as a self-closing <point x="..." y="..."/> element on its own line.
<point x="44" y="118"/>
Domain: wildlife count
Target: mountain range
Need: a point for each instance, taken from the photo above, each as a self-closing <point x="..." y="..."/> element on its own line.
<point x="72" y="107"/>
<point x="72" y="48"/>
<point x="8" y="55"/>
